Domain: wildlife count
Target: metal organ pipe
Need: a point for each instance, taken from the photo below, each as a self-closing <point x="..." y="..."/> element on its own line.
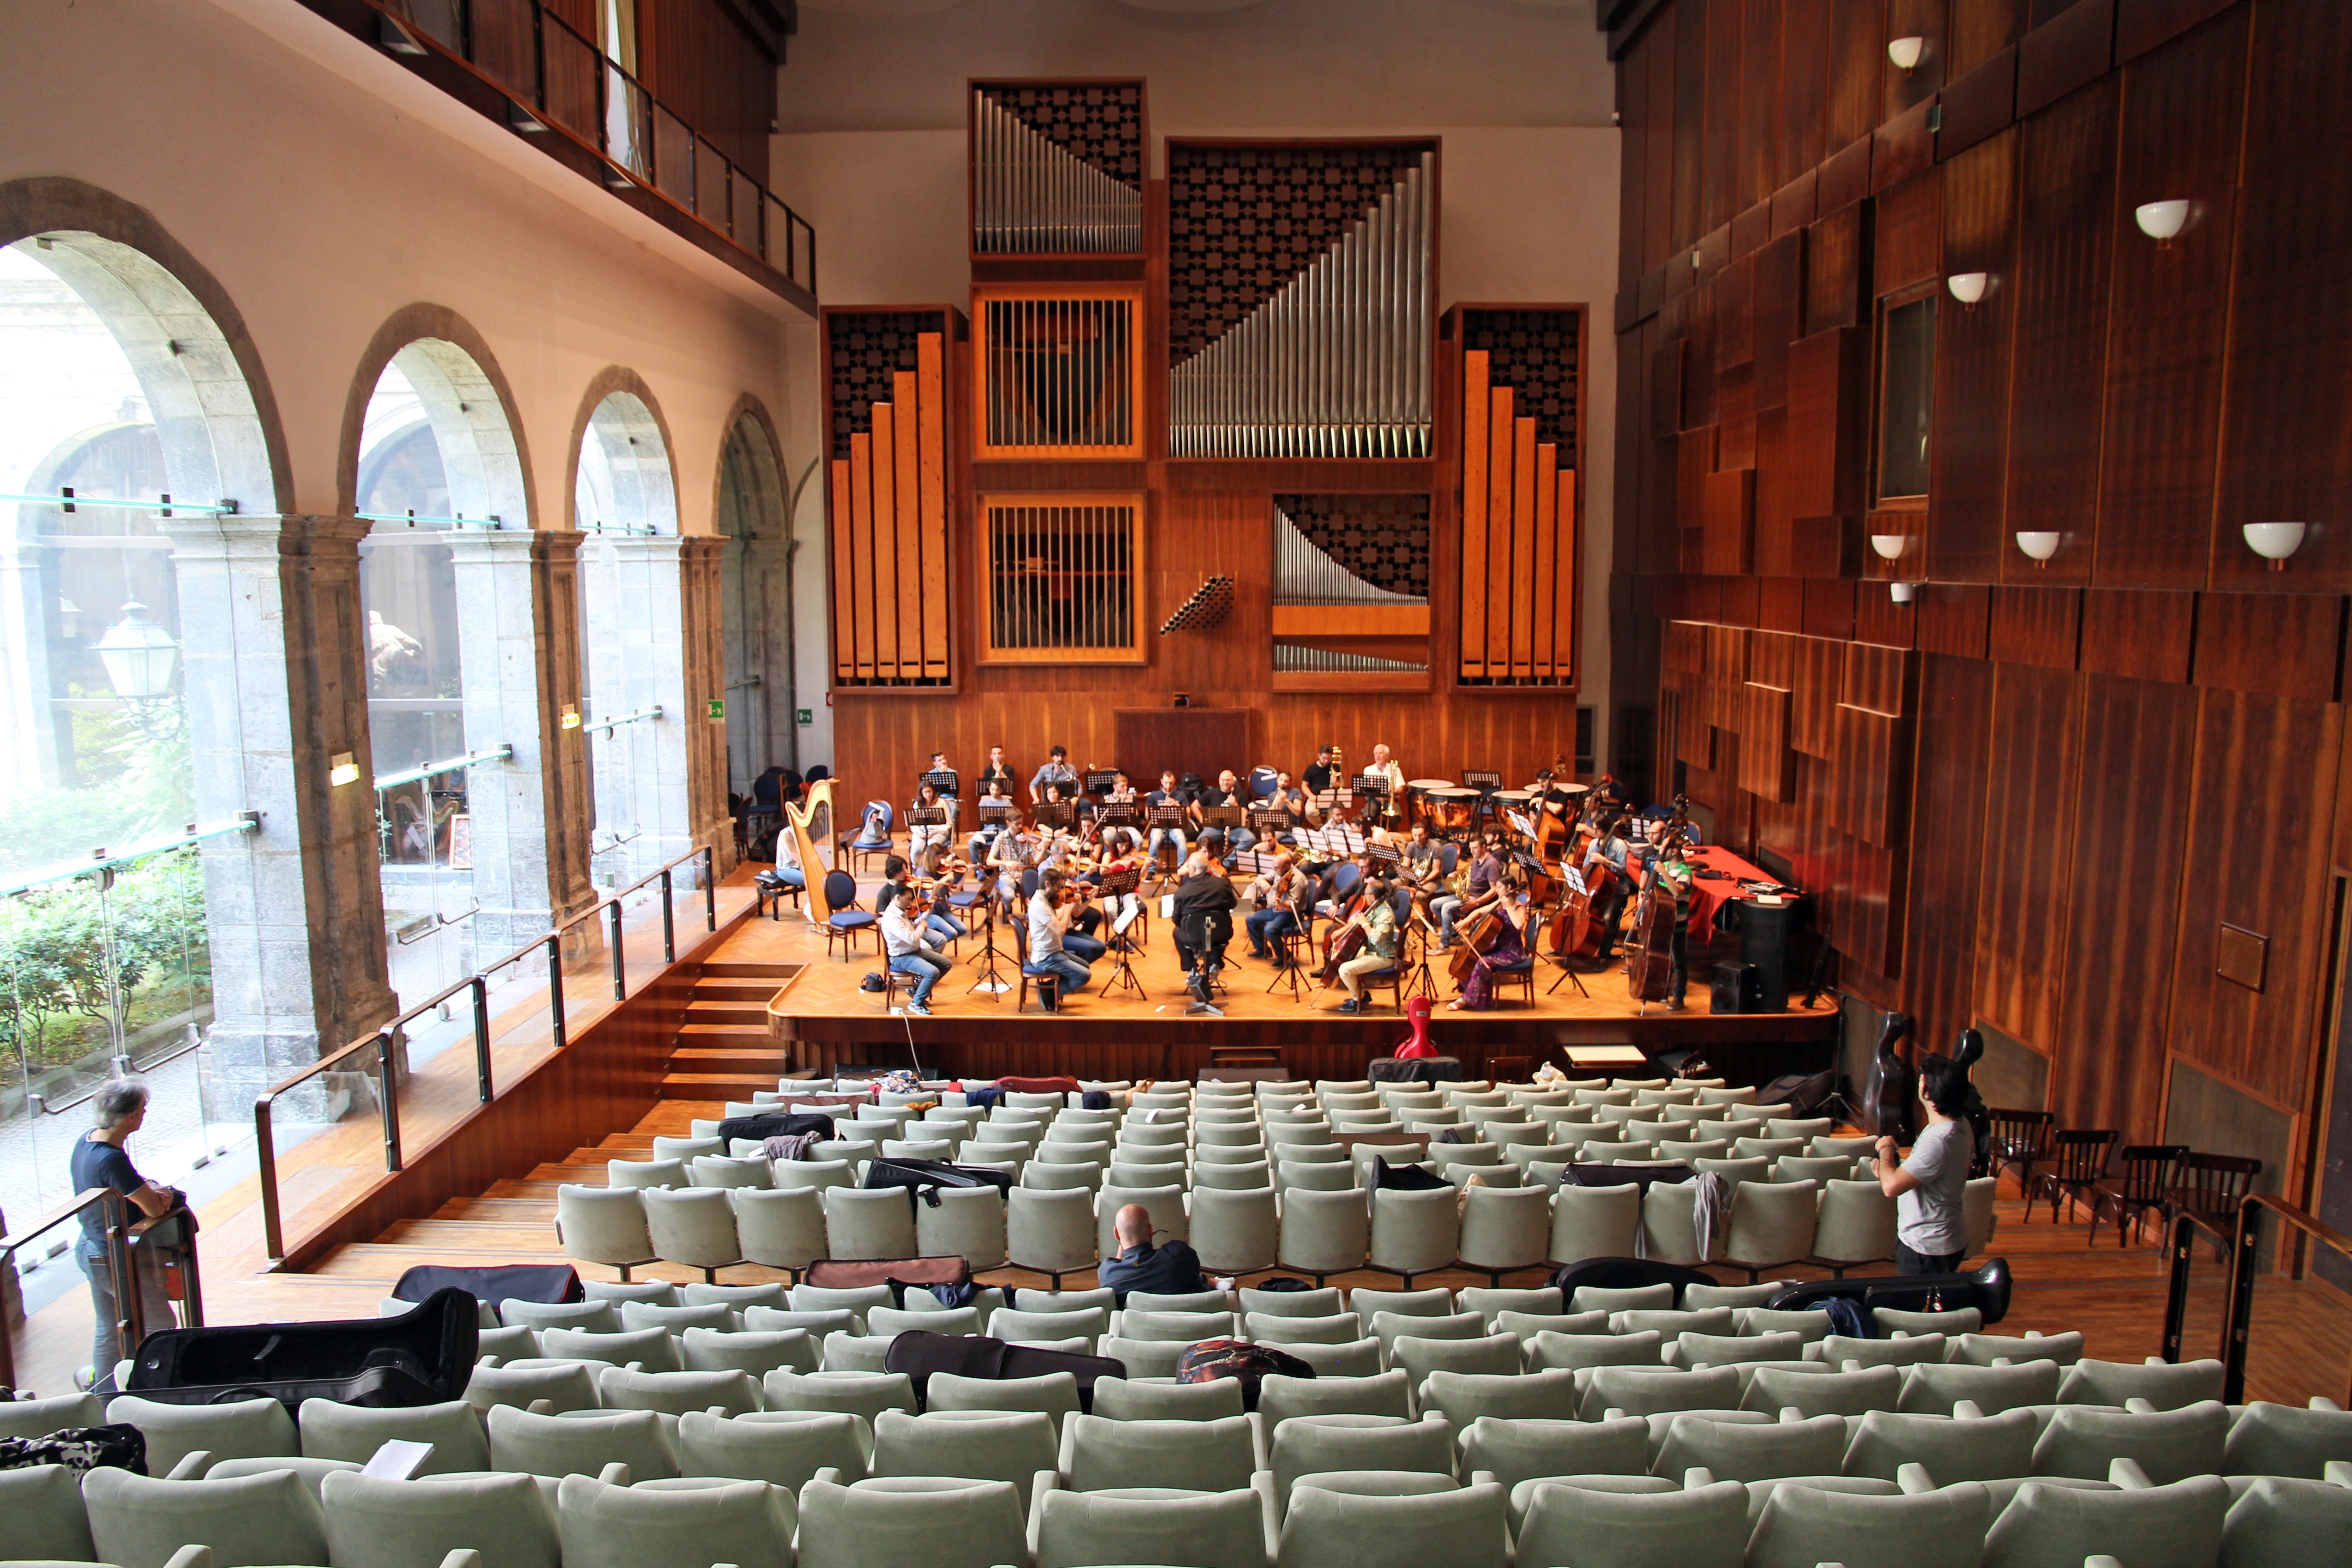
<point x="1031" y="198"/>
<point x="1336" y="364"/>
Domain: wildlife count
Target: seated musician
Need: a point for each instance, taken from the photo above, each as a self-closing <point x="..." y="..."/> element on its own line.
<point x="1061" y="854"/>
<point x="939" y="925"/>
<point x="1014" y="854"/>
<point x="926" y="840"/>
<point x="984" y="832"/>
<point x="1379" y="922"/>
<point x="1610" y="795"/>
<point x="1394" y="807"/>
<point x="902" y="940"/>
<point x="1318" y="783"/>
<point x="1121" y="908"/>
<point x="1609" y="847"/>
<point x="1327" y="902"/>
<point x="1122" y="792"/>
<point x="949" y="787"/>
<point x="788" y="859"/>
<point x="1280" y="895"/>
<point x="1227" y="791"/>
<point x="1506" y="949"/>
<point x="1451" y="908"/>
<point x="1049" y="919"/>
<point x="998" y="770"/>
<point x="1168" y="793"/>
<point x="1286" y="796"/>
<point x="1422" y="870"/>
<point x="1056" y="770"/>
<point x="1205" y="920"/>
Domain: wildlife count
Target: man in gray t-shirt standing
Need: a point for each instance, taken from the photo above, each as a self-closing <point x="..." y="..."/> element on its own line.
<point x="1931" y="1229"/>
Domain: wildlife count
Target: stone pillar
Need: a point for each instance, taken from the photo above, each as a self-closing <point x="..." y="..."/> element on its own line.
<point x="24" y="711"/>
<point x="274" y="650"/>
<point x="516" y="675"/>
<point x="701" y="616"/>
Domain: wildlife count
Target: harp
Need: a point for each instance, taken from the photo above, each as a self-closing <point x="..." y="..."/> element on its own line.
<point x="810" y="822"/>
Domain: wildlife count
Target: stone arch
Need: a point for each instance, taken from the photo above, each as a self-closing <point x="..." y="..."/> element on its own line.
<point x="467" y="401"/>
<point x="621" y="415"/>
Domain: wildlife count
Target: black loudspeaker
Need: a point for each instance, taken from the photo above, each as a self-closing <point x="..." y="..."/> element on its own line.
<point x="1739" y="988"/>
<point x="1766" y="932"/>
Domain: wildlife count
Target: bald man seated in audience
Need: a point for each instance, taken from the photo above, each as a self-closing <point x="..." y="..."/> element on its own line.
<point x="1173" y="1270"/>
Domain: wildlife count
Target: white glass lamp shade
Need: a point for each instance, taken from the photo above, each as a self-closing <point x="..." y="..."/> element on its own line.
<point x="2274" y="541"/>
<point x="2040" y="547"/>
<point x="1890" y="546"/>
<point x="1902" y="592"/>
<point x="1968" y="287"/>
<point x="138" y="655"/>
<point x="1907" y="53"/>
<point x="2160" y="221"/>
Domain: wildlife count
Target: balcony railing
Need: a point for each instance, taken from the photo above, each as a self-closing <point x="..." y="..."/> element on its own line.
<point x="559" y="82"/>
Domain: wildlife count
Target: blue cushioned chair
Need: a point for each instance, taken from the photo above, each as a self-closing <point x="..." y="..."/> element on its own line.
<point x="847" y="919"/>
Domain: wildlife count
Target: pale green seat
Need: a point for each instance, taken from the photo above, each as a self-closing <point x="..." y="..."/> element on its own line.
<point x="1802" y="1526"/>
<point x="863" y="1394"/>
<point x="1208" y="1529"/>
<point x="43" y="1505"/>
<point x="1636" y="1522"/>
<point x="1281" y="1399"/>
<point x="139" y="1522"/>
<point x="2057" y="1526"/>
<point x="1520" y="1449"/>
<point x="332" y="1430"/>
<point x="1815" y="1393"/>
<point x="2281" y="1441"/>
<point x="1463" y="1527"/>
<point x="676" y="1524"/>
<point x="238" y="1429"/>
<point x="677" y="1393"/>
<point x="2286" y="1520"/>
<point x="1951" y="1449"/>
<point x="1102" y="1454"/>
<point x="755" y="1351"/>
<point x="1466" y="1397"/>
<point x="1748" y="1452"/>
<point x="2167" y="1445"/>
<point x="894" y="1521"/>
<point x="1320" y="1445"/>
<point x="2092" y="1382"/>
<point x="1055" y="1394"/>
<point x="582" y="1444"/>
<point x="966" y="1446"/>
<point x="783" y="1448"/>
<point x="1123" y="1399"/>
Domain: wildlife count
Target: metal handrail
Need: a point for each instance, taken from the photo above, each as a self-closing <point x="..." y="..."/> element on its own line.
<point x="2244" y="1249"/>
<point x="128" y="1305"/>
<point x="385" y="1041"/>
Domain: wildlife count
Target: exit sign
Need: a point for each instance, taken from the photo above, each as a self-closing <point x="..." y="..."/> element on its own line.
<point x="719" y="707"/>
<point x="805" y="716"/>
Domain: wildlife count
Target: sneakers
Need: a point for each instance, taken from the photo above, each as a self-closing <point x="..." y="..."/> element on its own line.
<point x="920" y="1009"/>
<point x="1351" y="1005"/>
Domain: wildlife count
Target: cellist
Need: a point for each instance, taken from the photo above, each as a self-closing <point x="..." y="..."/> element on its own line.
<point x="1610" y="848"/>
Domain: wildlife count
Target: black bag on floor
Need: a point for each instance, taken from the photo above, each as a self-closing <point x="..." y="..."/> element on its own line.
<point x="759" y="1129"/>
<point x="1803" y="1093"/>
<point x="1985" y="1289"/>
<point x="919" y="1354"/>
<point x="924" y="1178"/>
<point x="551" y="1282"/>
<point x="422" y="1357"/>
<point x="1405" y="1178"/>
<point x="1246" y="1363"/>
<point x="1414" y="1069"/>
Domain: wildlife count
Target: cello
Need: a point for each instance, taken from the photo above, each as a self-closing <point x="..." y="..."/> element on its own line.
<point x="1649" y="954"/>
<point x="1347" y="939"/>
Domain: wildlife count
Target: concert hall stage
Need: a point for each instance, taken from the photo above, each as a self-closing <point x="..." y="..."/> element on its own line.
<point x="820" y="1018"/>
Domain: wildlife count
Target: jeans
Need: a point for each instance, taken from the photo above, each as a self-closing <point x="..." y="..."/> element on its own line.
<point x="1072" y="971"/>
<point x="1238" y="839"/>
<point x="792" y="875"/>
<point x="1085" y="949"/>
<point x="1166" y="836"/>
<point x="1445" y="907"/>
<point x="1678" y="952"/>
<point x="1266" y="927"/>
<point x="1909" y="1262"/>
<point x="105" y="1348"/>
<point x="947" y="928"/>
<point x="927" y="968"/>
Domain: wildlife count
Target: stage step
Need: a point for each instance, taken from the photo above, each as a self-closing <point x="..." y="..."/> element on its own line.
<point x="737" y="1085"/>
<point x="746" y="1015"/>
<point x="775" y="975"/>
<point x="709" y="989"/>
<point x="767" y="1058"/>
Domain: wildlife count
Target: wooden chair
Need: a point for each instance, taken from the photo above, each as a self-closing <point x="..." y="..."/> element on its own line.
<point x="2079" y="1158"/>
<point x="2019" y="1137"/>
<point x="845" y="919"/>
<point x="2141" y="1185"/>
<point x="2209" y="1188"/>
<point x="892" y="984"/>
<point x="1048" y="984"/>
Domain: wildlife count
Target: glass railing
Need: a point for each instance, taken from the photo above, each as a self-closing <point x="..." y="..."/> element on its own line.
<point x="42" y="1347"/>
<point x="2263" y="1291"/>
<point x="557" y="78"/>
<point x="325" y="1134"/>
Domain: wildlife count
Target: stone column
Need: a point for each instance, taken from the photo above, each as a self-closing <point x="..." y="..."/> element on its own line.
<point x="24" y="711"/>
<point x="701" y="614"/>
<point x="517" y="676"/>
<point x="274" y="652"/>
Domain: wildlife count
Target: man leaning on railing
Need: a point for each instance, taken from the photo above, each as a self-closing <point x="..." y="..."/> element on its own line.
<point x="99" y="1161"/>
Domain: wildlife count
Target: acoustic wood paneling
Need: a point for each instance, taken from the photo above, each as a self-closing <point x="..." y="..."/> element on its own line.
<point x="1804" y="90"/>
<point x="1819" y="667"/>
<point x="1857" y="62"/>
<point x="2142" y="24"/>
<point x="713" y="73"/>
<point x="2064" y="53"/>
<point x="1980" y="30"/>
<point x="1833" y="273"/>
<point x="1928" y="20"/>
<point x="2169" y="314"/>
<point x="1690" y="18"/>
<point x="1760" y="102"/>
<point x="1767" y="767"/>
<point x="2266" y="774"/>
<point x="2024" y="905"/>
<point x="1863" y="803"/>
<point x="2037" y="625"/>
<point x="1948" y="839"/>
<point x="1719" y="194"/>
<point x="1969" y="456"/>
<point x="2286" y="447"/>
<point x="1955" y="618"/>
<point x="2132" y="822"/>
<point x="1903" y="147"/>
<point x="1907" y="244"/>
<point x="1780" y="310"/>
<point x="2066" y="231"/>
<point x="2287" y="644"/>
<point x="1978" y="106"/>
<point x="1828" y="419"/>
<point x="1730" y="521"/>
<point x="2141" y="634"/>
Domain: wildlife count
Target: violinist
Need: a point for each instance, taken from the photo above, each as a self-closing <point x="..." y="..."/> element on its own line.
<point x="902" y="923"/>
<point x="1205" y="920"/>
<point x="1049" y="919"/>
<point x="984" y="832"/>
<point x="1506" y="949"/>
<point x="1122" y="792"/>
<point x="1011" y="856"/>
<point x="1078" y="882"/>
<point x="935" y="920"/>
<point x="1121" y="908"/>
<point x="1452" y="908"/>
<point x="1377" y="919"/>
<point x="1279" y="896"/>
<point x="926" y="840"/>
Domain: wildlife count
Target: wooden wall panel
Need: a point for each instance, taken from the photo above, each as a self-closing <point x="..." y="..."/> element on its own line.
<point x="1863" y="803"/>
<point x="1690" y="121"/>
<point x="2286" y="447"/>
<point x="1948" y="840"/>
<point x="2171" y="310"/>
<point x="2065" y="235"/>
<point x="2284" y="645"/>
<point x="1980" y="30"/>
<point x="2146" y="636"/>
<point x="1908" y="244"/>
<point x="1719" y="200"/>
<point x="1760" y="102"/>
<point x="1833" y="269"/>
<point x="1857" y="62"/>
<point x="1804" y="87"/>
<point x="710" y="71"/>
<point x="2266" y="775"/>
<point x="1829" y="380"/>
<point x="2030" y="801"/>
<point x="2038" y="626"/>
<point x="2133" y="823"/>
<point x="1969" y="454"/>
<point x="1927" y="19"/>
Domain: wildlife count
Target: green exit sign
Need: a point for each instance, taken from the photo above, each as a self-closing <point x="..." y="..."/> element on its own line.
<point x="719" y="707"/>
<point x="805" y="716"/>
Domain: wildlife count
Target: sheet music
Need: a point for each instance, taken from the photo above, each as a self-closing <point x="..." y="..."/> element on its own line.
<point x="1574" y="878"/>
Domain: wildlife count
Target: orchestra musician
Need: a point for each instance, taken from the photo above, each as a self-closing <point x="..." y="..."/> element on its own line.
<point x="1319" y="782"/>
<point x="997" y="769"/>
<point x="1168" y="793"/>
<point x="1676" y="879"/>
<point x="1452" y="908"/>
<point x="1013" y="855"/>
<point x="1377" y="920"/>
<point x="1506" y="949"/>
<point x="936" y="922"/>
<point x="926" y="840"/>
<point x="1056" y="770"/>
<point x="950" y="788"/>
<point x="1420" y="872"/>
<point x="984" y="832"/>
<point x="1122" y="792"/>
<point x="1049" y="918"/>
<point x="1280" y="895"/>
<point x="1205" y="920"/>
<point x="1226" y="792"/>
<point x="1121" y="908"/>
<point x="902" y="920"/>
<point x="1610" y="847"/>
<point x="1393" y="772"/>
<point x="1286" y="796"/>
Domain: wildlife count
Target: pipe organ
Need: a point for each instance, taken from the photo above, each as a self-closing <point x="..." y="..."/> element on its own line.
<point x="889" y="483"/>
<point x="1057" y="168"/>
<point x="1307" y="335"/>
<point x="1350" y="593"/>
<point x="1521" y="546"/>
<point x="1059" y="371"/>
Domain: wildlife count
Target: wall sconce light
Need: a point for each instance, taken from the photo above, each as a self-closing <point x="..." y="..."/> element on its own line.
<point x="571" y="719"/>
<point x="2039" y="547"/>
<point x="1969" y="287"/>
<point x="2274" y="541"/>
<point x="1890" y="546"/>
<point x="2160" y="221"/>
<point x="1907" y="53"/>
<point x="342" y="769"/>
<point x="1902" y="592"/>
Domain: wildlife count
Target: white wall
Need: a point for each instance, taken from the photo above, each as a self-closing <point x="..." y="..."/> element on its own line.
<point x="325" y="189"/>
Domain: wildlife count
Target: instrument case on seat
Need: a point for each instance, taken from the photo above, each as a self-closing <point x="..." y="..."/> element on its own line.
<point x="550" y="1282"/>
<point x="924" y="1178"/>
<point x="421" y="1357"/>
<point x="919" y="1354"/>
<point x="1986" y="1289"/>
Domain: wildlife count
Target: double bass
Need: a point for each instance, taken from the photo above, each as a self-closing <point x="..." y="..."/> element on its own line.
<point x="1346" y="939"/>
<point x="1576" y="931"/>
<point x="1648" y="952"/>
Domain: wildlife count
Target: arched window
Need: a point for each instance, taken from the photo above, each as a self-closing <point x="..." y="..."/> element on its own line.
<point x="755" y="607"/>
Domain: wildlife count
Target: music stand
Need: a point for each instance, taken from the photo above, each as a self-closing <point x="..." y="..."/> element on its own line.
<point x="1101" y="781"/>
<point x="1418" y="980"/>
<point x="942" y="780"/>
<point x="1387" y="857"/>
<point x="1222" y="817"/>
<point x="1122" y="974"/>
<point x="1268" y="822"/>
<point x="1054" y="814"/>
<point x="1164" y="815"/>
<point x="996" y="811"/>
<point x="986" y="976"/>
<point x="1289" y="964"/>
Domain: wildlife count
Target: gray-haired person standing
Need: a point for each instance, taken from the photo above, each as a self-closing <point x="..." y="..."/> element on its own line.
<point x="99" y="1161"/>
